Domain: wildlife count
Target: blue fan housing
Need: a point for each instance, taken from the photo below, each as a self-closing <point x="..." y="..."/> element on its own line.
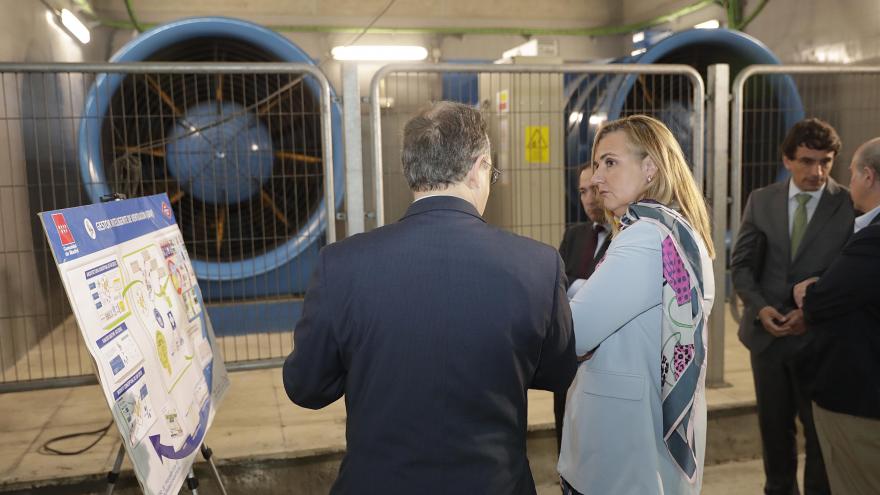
<point x="220" y="174"/>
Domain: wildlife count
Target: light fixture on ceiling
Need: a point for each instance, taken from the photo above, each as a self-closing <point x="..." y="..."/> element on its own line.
<point x="75" y="26"/>
<point x="711" y="24"/>
<point x="72" y="25"/>
<point x="380" y="52"/>
<point x="598" y="118"/>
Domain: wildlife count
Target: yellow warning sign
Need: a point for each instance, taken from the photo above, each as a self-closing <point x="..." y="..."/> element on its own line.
<point x="537" y="144"/>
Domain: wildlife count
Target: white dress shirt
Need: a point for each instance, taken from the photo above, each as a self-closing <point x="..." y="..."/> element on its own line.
<point x="863" y="221"/>
<point x="431" y="196"/>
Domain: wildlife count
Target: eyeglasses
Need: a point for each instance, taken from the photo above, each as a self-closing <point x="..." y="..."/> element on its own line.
<point x="496" y="173"/>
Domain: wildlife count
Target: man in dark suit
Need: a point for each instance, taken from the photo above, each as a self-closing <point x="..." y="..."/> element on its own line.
<point x="583" y="246"/>
<point x="434" y="328"/>
<point x="791" y="230"/>
<point x="842" y="366"/>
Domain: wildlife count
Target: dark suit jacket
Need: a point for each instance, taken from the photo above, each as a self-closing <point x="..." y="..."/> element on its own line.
<point x="764" y="233"/>
<point x="573" y="249"/>
<point x="842" y="309"/>
<point x="434" y="328"/>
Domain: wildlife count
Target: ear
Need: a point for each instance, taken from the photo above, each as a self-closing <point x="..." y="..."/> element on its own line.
<point x="870" y="175"/>
<point x="789" y="163"/>
<point x="649" y="167"/>
<point x="472" y="179"/>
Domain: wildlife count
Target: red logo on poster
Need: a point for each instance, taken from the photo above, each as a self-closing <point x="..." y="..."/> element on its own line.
<point x="166" y="210"/>
<point x="63" y="230"/>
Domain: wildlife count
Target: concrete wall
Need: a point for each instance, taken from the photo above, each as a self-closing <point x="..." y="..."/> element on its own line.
<point x="410" y="13"/>
<point x="797" y="31"/>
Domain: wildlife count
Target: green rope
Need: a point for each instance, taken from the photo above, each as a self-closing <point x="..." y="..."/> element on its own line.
<point x="134" y="21"/>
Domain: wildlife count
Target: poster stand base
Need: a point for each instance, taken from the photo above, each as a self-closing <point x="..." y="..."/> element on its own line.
<point x="191" y="481"/>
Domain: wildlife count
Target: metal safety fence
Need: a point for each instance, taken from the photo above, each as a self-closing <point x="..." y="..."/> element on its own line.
<point x="245" y="153"/>
<point x="250" y="157"/>
<point x="542" y="120"/>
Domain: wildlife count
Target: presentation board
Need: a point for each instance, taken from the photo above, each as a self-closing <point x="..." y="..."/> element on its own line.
<point x="135" y="296"/>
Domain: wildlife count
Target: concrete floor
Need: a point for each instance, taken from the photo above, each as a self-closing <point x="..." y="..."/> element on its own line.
<point x="257" y="421"/>
<point x="731" y="478"/>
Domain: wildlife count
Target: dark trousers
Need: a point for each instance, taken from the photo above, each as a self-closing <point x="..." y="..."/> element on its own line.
<point x="558" y="414"/>
<point x="780" y="398"/>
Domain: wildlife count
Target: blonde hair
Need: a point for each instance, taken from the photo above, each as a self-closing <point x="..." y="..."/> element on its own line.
<point x="673" y="185"/>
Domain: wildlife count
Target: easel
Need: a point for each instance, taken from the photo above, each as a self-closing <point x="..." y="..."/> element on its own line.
<point x="191" y="481"/>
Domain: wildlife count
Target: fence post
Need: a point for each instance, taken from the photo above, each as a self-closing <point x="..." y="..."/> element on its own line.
<point x="354" y="170"/>
<point x="717" y="125"/>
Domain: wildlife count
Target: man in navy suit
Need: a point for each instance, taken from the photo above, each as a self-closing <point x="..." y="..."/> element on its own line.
<point x="434" y="328"/>
<point x="842" y="308"/>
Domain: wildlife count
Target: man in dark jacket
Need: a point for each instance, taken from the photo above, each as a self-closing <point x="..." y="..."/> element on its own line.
<point x="434" y="328"/>
<point x="842" y="364"/>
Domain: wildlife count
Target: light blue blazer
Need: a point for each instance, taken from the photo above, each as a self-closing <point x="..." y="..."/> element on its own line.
<point x="611" y="440"/>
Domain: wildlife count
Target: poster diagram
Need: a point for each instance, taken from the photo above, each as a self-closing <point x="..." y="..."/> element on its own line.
<point x="136" y="299"/>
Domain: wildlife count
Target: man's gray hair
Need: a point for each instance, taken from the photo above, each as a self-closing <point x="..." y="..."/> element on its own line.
<point x="440" y="145"/>
<point x="869" y="155"/>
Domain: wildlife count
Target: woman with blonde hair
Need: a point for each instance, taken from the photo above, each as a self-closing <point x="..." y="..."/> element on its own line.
<point x="635" y="418"/>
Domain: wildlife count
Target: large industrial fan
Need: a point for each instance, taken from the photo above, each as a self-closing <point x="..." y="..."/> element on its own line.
<point x="239" y="155"/>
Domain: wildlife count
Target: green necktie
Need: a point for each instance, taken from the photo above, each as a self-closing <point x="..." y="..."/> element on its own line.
<point x="800" y="222"/>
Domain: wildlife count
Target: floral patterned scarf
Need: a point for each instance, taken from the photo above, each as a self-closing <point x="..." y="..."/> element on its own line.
<point x="683" y="352"/>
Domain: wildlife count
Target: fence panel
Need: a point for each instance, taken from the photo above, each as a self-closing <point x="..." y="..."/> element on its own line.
<point x="542" y="120"/>
<point x="244" y="152"/>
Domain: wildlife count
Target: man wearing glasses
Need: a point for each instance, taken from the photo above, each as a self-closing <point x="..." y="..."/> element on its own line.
<point x="434" y="328"/>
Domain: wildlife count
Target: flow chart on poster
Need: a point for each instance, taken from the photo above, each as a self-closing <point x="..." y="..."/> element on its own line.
<point x="136" y="299"/>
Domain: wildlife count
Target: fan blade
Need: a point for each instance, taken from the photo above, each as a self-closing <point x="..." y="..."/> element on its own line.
<point x="647" y="95"/>
<point x="268" y="201"/>
<point x="221" y="221"/>
<point x="290" y="155"/>
<point x="162" y="94"/>
<point x="218" y="88"/>
<point x="177" y="196"/>
<point x="156" y="151"/>
<point x="272" y="100"/>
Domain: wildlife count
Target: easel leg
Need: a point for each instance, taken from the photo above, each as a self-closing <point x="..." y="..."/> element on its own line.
<point x="113" y="475"/>
<point x="192" y="482"/>
<point x="208" y="454"/>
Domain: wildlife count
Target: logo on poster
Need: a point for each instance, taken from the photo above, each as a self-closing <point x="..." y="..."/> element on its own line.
<point x="166" y="210"/>
<point x="90" y="229"/>
<point x="64" y="232"/>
